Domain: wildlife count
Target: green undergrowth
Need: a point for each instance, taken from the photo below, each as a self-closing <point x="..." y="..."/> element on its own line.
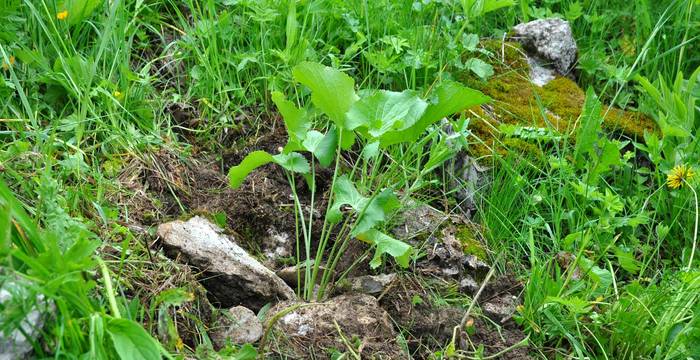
<point x="93" y="93"/>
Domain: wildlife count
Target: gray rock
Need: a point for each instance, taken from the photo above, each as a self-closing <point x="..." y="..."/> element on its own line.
<point x="500" y="309"/>
<point x="239" y="325"/>
<point x="371" y="284"/>
<point x="231" y="276"/>
<point x="539" y="74"/>
<point x="418" y="221"/>
<point x="476" y="266"/>
<point x="549" y="41"/>
<point x="14" y="344"/>
<point x="277" y="245"/>
<point x="468" y="285"/>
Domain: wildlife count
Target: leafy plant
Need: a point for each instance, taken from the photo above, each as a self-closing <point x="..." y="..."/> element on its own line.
<point x="382" y="120"/>
<point x="51" y="266"/>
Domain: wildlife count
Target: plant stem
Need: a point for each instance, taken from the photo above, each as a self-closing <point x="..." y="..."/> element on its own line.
<point x="108" y="288"/>
<point x="695" y="231"/>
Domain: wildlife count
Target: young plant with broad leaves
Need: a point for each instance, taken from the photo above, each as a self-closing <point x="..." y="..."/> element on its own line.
<point x="377" y="122"/>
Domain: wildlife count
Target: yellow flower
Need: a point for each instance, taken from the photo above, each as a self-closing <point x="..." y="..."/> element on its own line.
<point x="179" y="345"/>
<point x="62" y="15"/>
<point x="6" y="66"/>
<point x="679" y="175"/>
<point x="118" y="94"/>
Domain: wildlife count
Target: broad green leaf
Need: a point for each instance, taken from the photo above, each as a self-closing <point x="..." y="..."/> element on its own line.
<point x="610" y="156"/>
<point x="322" y="146"/>
<point x="370" y="150"/>
<point x="627" y="261"/>
<point x="246" y="352"/>
<point x="293" y="162"/>
<point x="332" y="91"/>
<point x="131" y="341"/>
<point x="479" y="67"/>
<point x="372" y="210"/>
<point x="295" y="119"/>
<point x="312" y="140"/>
<point x="76" y="10"/>
<point x="493" y="5"/>
<point x="385" y="111"/>
<point x="376" y="211"/>
<point x="587" y="134"/>
<point x="448" y="98"/>
<point x="254" y="160"/>
<point x="385" y="244"/>
<point x="601" y="277"/>
<point x="345" y="194"/>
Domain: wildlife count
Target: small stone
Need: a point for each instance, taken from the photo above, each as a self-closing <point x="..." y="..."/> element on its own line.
<point x="476" y="265"/>
<point x="371" y="284"/>
<point x="549" y="40"/>
<point x="289" y="275"/>
<point x="468" y="285"/>
<point x="500" y="309"/>
<point x="231" y="276"/>
<point x="239" y="325"/>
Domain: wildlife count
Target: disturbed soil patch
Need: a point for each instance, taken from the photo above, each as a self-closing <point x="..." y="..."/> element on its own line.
<point x="428" y="326"/>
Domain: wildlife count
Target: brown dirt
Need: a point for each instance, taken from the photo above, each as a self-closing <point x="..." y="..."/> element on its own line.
<point x="313" y="330"/>
<point x="428" y="326"/>
<point x="162" y="186"/>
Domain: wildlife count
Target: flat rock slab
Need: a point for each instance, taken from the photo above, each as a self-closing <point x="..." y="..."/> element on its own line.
<point x="231" y="276"/>
<point x="307" y="327"/>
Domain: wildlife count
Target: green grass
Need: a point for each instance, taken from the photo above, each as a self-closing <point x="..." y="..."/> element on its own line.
<point x="85" y="97"/>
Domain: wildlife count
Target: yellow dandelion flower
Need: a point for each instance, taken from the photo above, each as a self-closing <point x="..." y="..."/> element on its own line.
<point x="62" y="15"/>
<point x="179" y="344"/>
<point x="679" y="175"/>
<point x="6" y="66"/>
<point x="118" y="94"/>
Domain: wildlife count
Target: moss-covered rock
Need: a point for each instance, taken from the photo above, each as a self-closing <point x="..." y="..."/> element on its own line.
<point x="471" y="245"/>
<point x="516" y="101"/>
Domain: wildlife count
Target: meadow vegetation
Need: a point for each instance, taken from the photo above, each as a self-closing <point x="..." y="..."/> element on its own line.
<point x="595" y="216"/>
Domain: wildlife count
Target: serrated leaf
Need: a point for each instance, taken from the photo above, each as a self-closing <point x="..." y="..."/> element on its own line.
<point x="627" y="261"/>
<point x="131" y="341"/>
<point x="332" y="91"/>
<point x="385" y="244"/>
<point x="238" y="173"/>
<point x="385" y="111"/>
<point x="587" y="134"/>
<point x="449" y="98"/>
<point x="293" y="162"/>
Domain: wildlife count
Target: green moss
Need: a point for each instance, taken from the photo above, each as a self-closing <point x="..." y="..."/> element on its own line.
<point x="470" y="244"/>
<point x="517" y="101"/>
